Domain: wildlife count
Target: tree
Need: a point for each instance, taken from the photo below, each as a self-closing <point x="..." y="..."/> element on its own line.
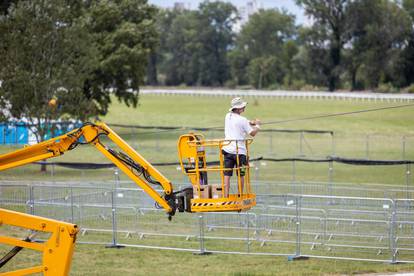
<point x="5" y="5"/>
<point x="330" y="18"/>
<point x="312" y="62"/>
<point x="264" y="38"/>
<point x="406" y="62"/>
<point x="45" y="56"/>
<point x="266" y="32"/>
<point x="181" y="44"/>
<point x="64" y="58"/>
<point x="215" y="33"/>
<point x="124" y="32"/>
<point x="378" y="30"/>
<point x="238" y="62"/>
<point x="264" y="71"/>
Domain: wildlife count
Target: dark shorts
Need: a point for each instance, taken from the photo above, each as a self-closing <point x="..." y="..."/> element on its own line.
<point x="230" y="162"/>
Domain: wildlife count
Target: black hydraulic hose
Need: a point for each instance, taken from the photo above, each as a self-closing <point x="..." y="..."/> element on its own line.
<point x="14" y="251"/>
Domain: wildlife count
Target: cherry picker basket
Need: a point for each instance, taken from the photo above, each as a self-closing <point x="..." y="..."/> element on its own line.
<point x="211" y="197"/>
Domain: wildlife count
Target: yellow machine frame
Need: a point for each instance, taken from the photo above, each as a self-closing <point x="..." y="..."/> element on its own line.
<point x="192" y="156"/>
<point x="57" y="250"/>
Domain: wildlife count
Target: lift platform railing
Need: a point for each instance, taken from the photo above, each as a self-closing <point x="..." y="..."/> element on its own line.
<point x="193" y="162"/>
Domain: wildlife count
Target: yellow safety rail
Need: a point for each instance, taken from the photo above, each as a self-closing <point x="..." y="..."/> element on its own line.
<point x="193" y="162"/>
<point x="57" y="251"/>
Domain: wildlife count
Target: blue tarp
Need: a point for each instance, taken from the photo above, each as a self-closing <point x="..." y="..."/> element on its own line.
<point x="18" y="133"/>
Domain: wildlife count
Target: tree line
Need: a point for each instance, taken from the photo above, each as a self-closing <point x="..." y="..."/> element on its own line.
<point x="351" y="44"/>
<point x="65" y="59"/>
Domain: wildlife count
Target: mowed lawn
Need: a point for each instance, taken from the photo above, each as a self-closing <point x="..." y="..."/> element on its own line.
<point x="386" y="126"/>
<point x="385" y="130"/>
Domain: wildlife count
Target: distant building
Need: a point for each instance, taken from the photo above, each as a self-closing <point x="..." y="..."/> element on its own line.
<point x="246" y="11"/>
<point x="181" y="6"/>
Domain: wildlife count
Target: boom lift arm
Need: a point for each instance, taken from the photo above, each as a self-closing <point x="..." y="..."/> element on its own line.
<point x="58" y="249"/>
<point x="128" y="160"/>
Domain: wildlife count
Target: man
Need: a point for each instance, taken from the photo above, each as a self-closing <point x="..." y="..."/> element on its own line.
<point x="237" y="127"/>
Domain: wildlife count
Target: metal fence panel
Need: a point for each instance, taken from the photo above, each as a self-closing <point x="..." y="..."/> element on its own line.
<point x="380" y="229"/>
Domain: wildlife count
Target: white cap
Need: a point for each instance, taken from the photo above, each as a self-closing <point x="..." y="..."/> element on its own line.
<point x="237" y="103"/>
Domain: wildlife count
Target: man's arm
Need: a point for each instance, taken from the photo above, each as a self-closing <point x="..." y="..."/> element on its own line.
<point x="255" y="126"/>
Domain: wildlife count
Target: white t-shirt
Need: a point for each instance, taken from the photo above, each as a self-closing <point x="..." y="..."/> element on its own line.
<point x="236" y="127"/>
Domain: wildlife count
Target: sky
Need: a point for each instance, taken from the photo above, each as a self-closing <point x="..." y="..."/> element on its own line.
<point x="289" y="5"/>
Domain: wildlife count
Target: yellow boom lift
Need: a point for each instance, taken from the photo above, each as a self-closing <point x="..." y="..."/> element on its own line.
<point x="58" y="249"/>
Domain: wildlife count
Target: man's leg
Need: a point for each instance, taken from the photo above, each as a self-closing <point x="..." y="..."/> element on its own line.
<point x="243" y="164"/>
<point x="226" y="185"/>
<point x="229" y="162"/>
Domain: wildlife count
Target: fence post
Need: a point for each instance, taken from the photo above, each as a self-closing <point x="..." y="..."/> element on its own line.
<point x="71" y="204"/>
<point x="403" y="147"/>
<point x="393" y="241"/>
<point x="407" y="180"/>
<point x="271" y="142"/>
<point x="333" y="144"/>
<point x="31" y="199"/>
<point x="297" y="256"/>
<point x="330" y="178"/>
<point x="201" y="236"/>
<point x="248" y="232"/>
<point x="301" y="144"/>
<point x="117" y="179"/>
<point x="298" y="226"/>
<point x="52" y="172"/>
<point x="114" y="226"/>
<point x="293" y="171"/>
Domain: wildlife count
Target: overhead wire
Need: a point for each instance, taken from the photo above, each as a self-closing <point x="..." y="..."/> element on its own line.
<point x="319" y="116"/>
<point x="336" y="114"/>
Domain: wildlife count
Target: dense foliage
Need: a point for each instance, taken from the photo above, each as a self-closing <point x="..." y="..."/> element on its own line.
<point x="350" y="44"/>
<point x="63" y="58"/>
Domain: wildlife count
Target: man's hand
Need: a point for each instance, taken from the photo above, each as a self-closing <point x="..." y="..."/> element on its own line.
<point x="255" y="122"/>
<point x="256" y="126"/>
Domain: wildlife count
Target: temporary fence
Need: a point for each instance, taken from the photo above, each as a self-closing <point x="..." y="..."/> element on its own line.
<point x="290" y="224"/>
<point x="329" y="168"/>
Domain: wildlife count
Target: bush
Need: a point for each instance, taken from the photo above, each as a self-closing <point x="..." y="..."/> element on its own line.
<point x="309" y="87"/>
<point x="274" y="86"/>
<point x="296" y="85"/>
<point x="409" y="89"/>
<point x="386" y="88"/>
<point x="230" y="84"/>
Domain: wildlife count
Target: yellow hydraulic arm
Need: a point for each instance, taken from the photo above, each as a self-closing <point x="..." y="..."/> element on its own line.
<point x="128" y="160"/>
<point x="58" y="249"/>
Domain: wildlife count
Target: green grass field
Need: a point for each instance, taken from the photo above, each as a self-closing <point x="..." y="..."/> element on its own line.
<point x="385" y="129"/>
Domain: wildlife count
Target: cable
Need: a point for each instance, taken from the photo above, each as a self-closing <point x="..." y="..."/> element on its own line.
<point x="336" y="114"/>
<point x="172" y="129"/>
